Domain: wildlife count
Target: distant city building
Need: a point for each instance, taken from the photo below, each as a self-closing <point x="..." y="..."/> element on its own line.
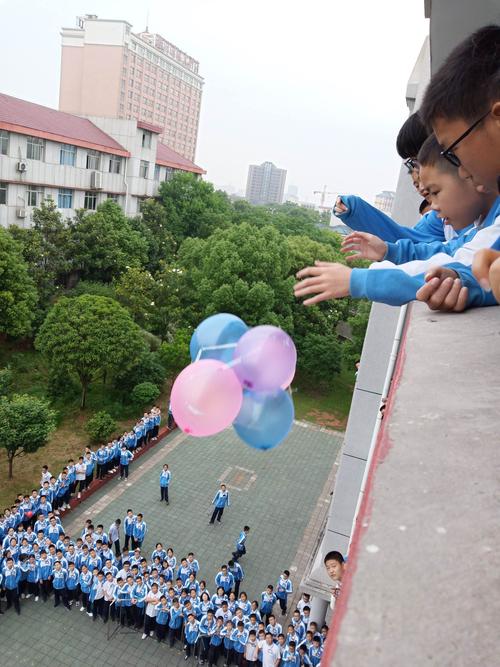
<point x="292" y="194"/>
<point x="265" y="184"/>
<point x="78" y="162"/>
<point x="107" y="70"/>
<point x="385" y="201"/>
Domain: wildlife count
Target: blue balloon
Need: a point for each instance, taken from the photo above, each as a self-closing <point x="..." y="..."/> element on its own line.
<point x="265" y="419"/>
<point x="220" y="329"/>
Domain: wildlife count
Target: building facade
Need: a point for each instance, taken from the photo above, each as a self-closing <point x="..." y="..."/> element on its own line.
<point x="78" y="162"/>
<point x="265" y="184"/>
<point x="384" y="201"/>
<point x="107" y="70"/>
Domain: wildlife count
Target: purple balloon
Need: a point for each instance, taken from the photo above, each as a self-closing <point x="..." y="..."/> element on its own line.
<point x="206" y="397"/>
<point x="265" y="358"/>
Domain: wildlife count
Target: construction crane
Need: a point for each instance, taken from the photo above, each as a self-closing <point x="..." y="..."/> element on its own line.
<point x="324" y="194"/>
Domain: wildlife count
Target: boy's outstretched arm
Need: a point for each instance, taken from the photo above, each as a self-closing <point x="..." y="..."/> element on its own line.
<point x="326" y="280"/>
<point x="364" y="246"/>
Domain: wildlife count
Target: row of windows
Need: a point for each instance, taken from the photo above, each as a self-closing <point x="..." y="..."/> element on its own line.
<point x="164" y="64"/>
<point x="65" y="196"/>
<point x="35" y="150"/>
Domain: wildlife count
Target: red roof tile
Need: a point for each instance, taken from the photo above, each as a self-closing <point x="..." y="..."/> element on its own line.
<point x="149" y="126"/>
<point x="167" y="157"/>
<point x="34" y="119"/>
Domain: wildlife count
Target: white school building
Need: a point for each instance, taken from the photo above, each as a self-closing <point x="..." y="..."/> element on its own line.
<point x="78" y="162"/>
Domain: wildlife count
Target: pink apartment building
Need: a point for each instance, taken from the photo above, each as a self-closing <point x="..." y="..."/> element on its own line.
<point x="107" y="70"/>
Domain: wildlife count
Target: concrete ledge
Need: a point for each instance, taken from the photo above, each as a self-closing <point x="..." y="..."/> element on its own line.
<point x="424" y="568"/>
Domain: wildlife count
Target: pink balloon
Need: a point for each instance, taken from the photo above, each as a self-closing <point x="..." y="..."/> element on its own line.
<point x="206" y="397"/>
<point x="265" y="358"/>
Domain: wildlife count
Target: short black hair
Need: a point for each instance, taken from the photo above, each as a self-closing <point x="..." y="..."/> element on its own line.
<point x="430" y="156"/>
<point x="468" y="81"/>
<point x="423" y="205"/>
<point x="333" y="555"/>
<point x="411" y="136"/>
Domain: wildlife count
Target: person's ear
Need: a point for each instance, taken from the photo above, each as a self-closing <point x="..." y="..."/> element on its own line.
<point x="495" y="112"/>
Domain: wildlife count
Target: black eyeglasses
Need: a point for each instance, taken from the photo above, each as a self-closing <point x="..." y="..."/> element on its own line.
<point x="448" y="153"/>
<point x="411" y="164"/>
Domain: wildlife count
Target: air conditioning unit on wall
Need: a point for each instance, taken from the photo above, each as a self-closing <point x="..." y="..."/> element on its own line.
<point x="96" y="180"/>
<point x="21" y="212"/>
<point x="22" y="166"/>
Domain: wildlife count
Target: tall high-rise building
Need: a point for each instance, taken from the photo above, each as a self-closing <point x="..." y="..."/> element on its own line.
<point x="265" y="184"/>
<point x="384" y="201"/>
<point x="107" y="70"/>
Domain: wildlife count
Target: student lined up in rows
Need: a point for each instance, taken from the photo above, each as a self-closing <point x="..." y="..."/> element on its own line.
<point x="159" y="595"/>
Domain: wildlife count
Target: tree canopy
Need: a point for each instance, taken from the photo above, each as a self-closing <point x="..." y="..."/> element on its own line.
<point x="89" y="336"/>
<point x="17" y="291"/>
<point x="26" y="423"/>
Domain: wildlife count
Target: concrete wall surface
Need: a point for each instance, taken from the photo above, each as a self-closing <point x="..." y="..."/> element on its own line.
<point x="423" y="582"/>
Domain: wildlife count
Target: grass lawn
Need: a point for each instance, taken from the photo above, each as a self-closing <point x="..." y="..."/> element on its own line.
<point x="328" y="409"/>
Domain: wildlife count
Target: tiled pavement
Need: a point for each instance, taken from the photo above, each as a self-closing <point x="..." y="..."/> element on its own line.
<point x="282" y="494"/>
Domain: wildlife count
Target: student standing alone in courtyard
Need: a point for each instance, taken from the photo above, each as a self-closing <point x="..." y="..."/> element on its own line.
<point x="220" y="501"/>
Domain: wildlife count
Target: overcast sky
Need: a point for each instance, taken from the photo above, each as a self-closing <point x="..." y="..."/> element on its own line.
<point x="315" y="86"/>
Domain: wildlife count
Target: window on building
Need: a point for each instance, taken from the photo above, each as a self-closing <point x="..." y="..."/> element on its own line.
<point x="3" y="193"/>
<point x="65" y="198"/>
<point x="67" y="155"/>
<point x="4" y="142"/>
<point x="113" y="196"/>
<point x="169" y="173"/>
<point x="144" y="169"/>
<point x="93" y="160"/>
<point x="90" y="200"/>
<point x="157" y="172"/>
<point x="115" y="164"/>
<point x="146" y="139"/>
<point x="34" y="148"/>
<point x="35" y="195"/>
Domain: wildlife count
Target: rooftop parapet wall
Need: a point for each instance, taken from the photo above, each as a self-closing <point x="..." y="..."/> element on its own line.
<point x="423" y="575"/>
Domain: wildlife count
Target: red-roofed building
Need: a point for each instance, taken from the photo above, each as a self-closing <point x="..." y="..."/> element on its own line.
<point x="77" y="161"/>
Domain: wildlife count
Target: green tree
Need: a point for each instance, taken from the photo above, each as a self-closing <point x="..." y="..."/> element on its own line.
<point x="357" y="321"/>
<point x="175" y="354"/>
<point x="153" y="225"/>
<point x="100" y="427"/>
<point x="89" y="336"/>
<point x="135" y="289"/>
<point x="148" y="368"/>
<point x="103" y="244"/>
<point x="320" y="358"/>
<point x="18" y="295"/>
<point x="26" y="423"/>
<point x="144" y="393"/>
<point x="6" y="379"/>
<point x="94" y="288"/>
<point x="243" y="270"/>
<point x="193" y="207"/>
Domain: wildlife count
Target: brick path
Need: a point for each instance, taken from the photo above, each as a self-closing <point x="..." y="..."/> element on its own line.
<point x="282" y="494"/>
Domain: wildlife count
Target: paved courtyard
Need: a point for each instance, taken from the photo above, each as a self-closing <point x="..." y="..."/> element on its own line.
<point x="282" y="495"/>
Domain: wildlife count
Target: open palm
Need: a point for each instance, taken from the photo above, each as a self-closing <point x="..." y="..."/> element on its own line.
<point x="362" y="245"/>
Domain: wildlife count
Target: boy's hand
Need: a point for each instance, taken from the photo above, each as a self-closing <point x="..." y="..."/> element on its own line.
<point x="339" y="207"/>
<point x="443" y="291"/>
<point x="364" y="246"/>
<point x="325" y="279"/>
<point x="486" y="268"/>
